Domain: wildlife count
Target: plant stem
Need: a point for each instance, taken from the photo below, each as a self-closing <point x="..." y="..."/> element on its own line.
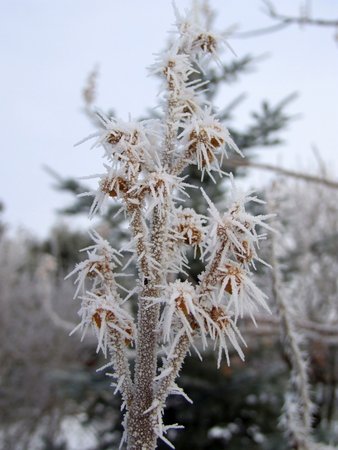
<point x="141" y="425"/>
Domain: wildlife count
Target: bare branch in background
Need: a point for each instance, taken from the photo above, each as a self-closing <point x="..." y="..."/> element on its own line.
<point x="279" y="170"/>
<point x="303" y="18"/>
<point x="285" y="21"/>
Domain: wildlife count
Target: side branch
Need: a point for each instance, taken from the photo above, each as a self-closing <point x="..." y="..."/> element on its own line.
<point x="172" y="367"/>
<point x="117" y="350"/>
<point x="171" y="130"/>
<point x="176" y="357"/>
<point x="140" y="234"/>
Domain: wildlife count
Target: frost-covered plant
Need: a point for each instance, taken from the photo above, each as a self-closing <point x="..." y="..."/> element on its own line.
<point x="309" y="263"/>
<point x="298" y="408"/>
<point x="144" y="164"/>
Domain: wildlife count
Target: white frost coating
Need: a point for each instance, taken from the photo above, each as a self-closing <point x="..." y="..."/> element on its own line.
<point x="163" y="373"/>
<point x="143" y="172"/>
<point x="153" y="406"/>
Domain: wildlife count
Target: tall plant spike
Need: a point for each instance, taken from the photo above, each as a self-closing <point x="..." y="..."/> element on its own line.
<point x="144" y="172"/>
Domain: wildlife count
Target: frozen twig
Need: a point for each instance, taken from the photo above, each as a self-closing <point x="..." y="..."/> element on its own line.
<point x="298" y="409"/>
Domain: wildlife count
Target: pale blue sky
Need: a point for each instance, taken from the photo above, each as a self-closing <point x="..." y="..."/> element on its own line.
<point x="48" y="47"/>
